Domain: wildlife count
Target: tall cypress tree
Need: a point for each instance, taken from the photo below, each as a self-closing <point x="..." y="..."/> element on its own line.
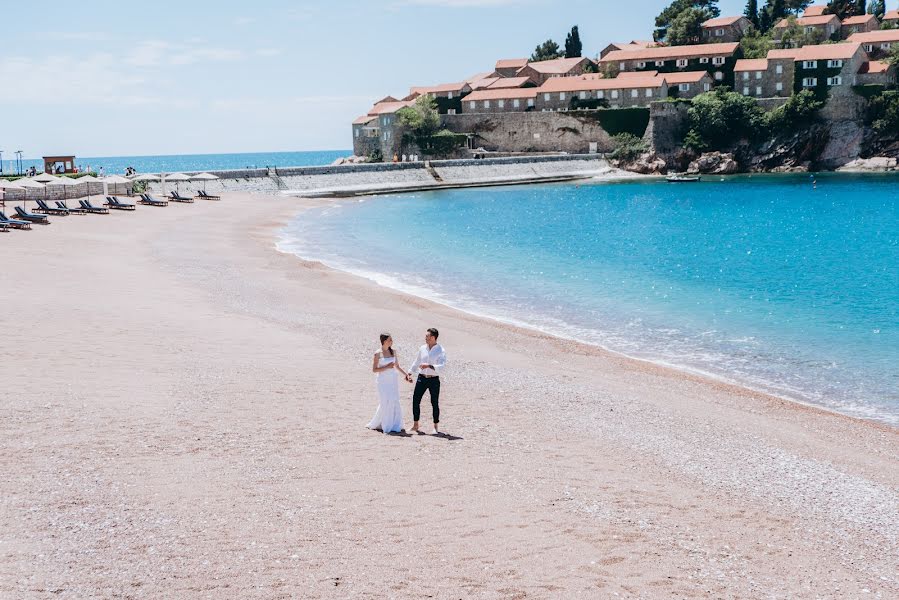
<point x="842" y="8"/>
<point x="878" y="8"/>
<point x="859" y="7"/>
<point x="573" y="46"/>
<point x="752" y="12"/>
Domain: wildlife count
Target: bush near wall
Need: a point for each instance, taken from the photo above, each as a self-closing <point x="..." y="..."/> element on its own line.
<point x="869" y="91"/>
<point x="442" y="143"/>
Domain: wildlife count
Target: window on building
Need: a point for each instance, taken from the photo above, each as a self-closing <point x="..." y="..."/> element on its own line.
<point x="449" y="95"/>
<point x="641" y="65"/>
<point x="357" y="133"/>
<point x="870" y="47"/>
<point x="660" y="63"/>
<point x="622" y="66"/>
<point x="635" y="93"/>
<point x="834" y="64"/>
<point x="501" y="103"/>
<point x="472" y="105"/>
<point x="614" y="94"/>
<point x="530" y="103"/>
<point x="884" y="46"/>
<point x="451" y="111"/>
<point x="835" y="80"/>
<point x="649" y="92"/>
<point x="719" y="75"/>
<point x="546" y="97"/>
<point x="600" y="94"/>
<point x="758" y="74"/>
<point x="682" y="62"/>
<point x="706" y="87"/>
<point x="719" y="33"/>
<point x="718" y="60"/>
<point x="583" y="95"/>
<point x="810" y="64"/>
<point x="745" y="75"/>
<point x="516" y="103"/>
<point x="746" y="91"/>
<point x="561" y="96"/>
<point x="809" y="82"/>
<point x="486" y="103"/>
<point x="779" y="86"/>
<point x="704" y="60"/>
<point x="684" y="87"/>
<point x="809" y="29"/>
<point x="779" y="69"/>
<point x="758" y="90"/>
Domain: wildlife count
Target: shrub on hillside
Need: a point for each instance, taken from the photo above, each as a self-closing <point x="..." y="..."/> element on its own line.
<point x="721" y="117"/>
<point x="883" y="113"/>
<point x="798" y="112"/>
<point x="627" y="147"/>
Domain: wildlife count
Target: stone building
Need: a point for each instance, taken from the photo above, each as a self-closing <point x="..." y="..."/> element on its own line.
<point x="876" y="72"/>
<point x="594" y="91"/>
<point x="631" y="45"/>
<point x="828" y="68"/>
<point x="858" y="24"/>
<point x="815" y="10"/>
<point x="509" y="67"/>
<point x="891" y="18"/>
<point x="725" y="29"/>
<point x="542" y="71"/>
<point x="447" y="95"/>
<point x="366" y="135"/>
<point x="379" y="129"/>
<point x="684" y="85"/>
<point x="500" y="100"/>
<point x="825" y="27"/>
<point x="717" y="59"/>
<point x="876" y="43"/>
<point x="751" y="78"/>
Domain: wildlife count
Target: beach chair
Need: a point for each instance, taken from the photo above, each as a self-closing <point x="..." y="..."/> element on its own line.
<point x="150" y="200"/>
<point x="43" y="207"/>
<point x="14" y="223"/>
<point x="24" y="214"/>
<point x="113" y="202"/>
<point x="4" y="227"/>
<point x="97" y="210"/>
<point x="74" y="211"/>
<point x="176" y="197"/>
<point x="205" y="196"/>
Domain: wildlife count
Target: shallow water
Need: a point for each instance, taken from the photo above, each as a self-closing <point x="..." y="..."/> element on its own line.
<point x="774" y="282"/>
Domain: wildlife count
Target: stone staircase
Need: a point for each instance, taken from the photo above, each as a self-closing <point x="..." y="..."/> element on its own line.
<point x="433" y="172"/>
<point x="273" y="174"/>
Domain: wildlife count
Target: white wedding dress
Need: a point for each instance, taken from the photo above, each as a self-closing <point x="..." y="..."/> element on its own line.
<point x="389" y="416"/>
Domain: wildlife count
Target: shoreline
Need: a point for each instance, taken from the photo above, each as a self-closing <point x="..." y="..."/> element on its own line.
<point x="221" y="447"/>
<point x="709" y="377"/>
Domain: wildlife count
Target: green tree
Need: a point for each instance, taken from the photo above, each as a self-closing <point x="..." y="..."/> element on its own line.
<point x="548" y="50"/>
<point x="421" y="119"/>
<point x="752" y="12"/>
<point x="878" y="8"/>
<point x="883" y="112"/>
<point x="796" y="6"/>
<point x="665" y="19"/>
<point x="686" y="28"/>
<point x="756" y="44"/>
<point x="573" y="46"/>
<point x="795" y="36"/>
<point x="860" y="7"/>
<point x="719" y="118"/>
<point x="842" y="8"/>
<point x="798" y="112"/>
<point x="627" y="147"/>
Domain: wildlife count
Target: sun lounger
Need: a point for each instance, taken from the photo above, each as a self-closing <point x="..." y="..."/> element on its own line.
<point x="176" y="197"/>
<point x="14" y="223"/>
<point x="24" y="214"/>
<point x="205" y="196"/>
<point x="97" y="210"/>
<point x="77" y="211"/>
<point x="148" y="199"/>
<point x="113" y="202"/>
<point x="43" y="207"/>
<point x="4" y="227"/>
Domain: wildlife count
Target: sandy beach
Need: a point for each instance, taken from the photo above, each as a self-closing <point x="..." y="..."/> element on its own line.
<point x="183" y="413"/>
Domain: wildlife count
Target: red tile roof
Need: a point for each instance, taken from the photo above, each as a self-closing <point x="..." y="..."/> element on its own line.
<point x="583" y="84"/>
<point x="387" y="99"/>
<point x="509" y="82"/>
<point x="815" y="10"/>
<point x="483" y="83"/>
<point x="722" y="21"/>
<point x="364" y="119"/>
<point x="440" y="88"/>
<point x="556" y="66"/>
<point x="827" y="52"/>
<point x="672" y="52"/>
<point x="683" y="77"/>
<point x="626" y="74"/>
<point x="859" y="19"/>
<point x="875" y="37"/>
<point x="782" y="53"/>
<point x="502" y="94"/>
<point x="875" y="66"/>
<point x="751" y="64"/>
<point x="807" y="21"/>
<point x="480" y="76"/>
<point x="890" y="15"/>
<point x="511" y="63"/>
<point x="388" y="108"/>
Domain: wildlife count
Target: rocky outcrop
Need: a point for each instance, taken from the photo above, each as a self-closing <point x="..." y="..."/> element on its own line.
<point x="797" y="152"/>
<point x="870" y="165"/>
<point x="716" y="163"/>
<point x="844" y="144"/>
<point x="350" y="160"/>
<point x="646" y="164"/>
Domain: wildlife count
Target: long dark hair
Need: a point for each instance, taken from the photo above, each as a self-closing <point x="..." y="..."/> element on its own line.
<point x="384" y="338"/>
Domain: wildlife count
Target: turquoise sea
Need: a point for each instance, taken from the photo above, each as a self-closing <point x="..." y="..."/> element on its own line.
<point x="787" y="284"/>
<point x="193" y="162"/>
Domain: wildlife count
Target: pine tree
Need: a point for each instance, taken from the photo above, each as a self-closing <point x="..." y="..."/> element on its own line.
<point x="764" y="20"/>
<point x="752" y="12"/>
<point x="573" y="46"/>
<point x="859" y="7"/>
<point x="548" y="50"/>
<point x="878" y="8"/>
<point x="777" y="10"/>
<point x="841" y="8"/>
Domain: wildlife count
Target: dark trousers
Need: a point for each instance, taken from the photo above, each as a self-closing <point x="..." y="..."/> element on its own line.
<point x="432" y="385"/>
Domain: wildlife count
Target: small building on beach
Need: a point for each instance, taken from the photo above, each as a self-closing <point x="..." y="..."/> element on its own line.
<point x="57" y="165"/>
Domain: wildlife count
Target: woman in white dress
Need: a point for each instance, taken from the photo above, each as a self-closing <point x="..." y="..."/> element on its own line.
<point x="389" y="416"/>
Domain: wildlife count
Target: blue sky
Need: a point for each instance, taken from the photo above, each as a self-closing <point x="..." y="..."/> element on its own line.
<point x="119" y="78"/>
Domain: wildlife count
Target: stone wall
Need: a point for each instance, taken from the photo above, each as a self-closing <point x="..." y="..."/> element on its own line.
<point x="531" y="132"/>
<point x="667" y="122"/>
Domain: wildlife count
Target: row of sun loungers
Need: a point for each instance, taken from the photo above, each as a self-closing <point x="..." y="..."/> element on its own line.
<point x="61" y="209"/>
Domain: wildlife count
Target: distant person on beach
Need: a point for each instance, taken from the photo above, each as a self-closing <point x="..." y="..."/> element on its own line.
<point x="389" y="416"/>
<point x="428" y="364"/>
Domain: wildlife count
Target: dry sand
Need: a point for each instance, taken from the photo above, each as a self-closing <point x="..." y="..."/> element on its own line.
<point x="183" y="413"/>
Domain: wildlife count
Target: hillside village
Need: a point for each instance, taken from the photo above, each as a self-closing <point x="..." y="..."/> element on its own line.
<point x="644" y="88"/>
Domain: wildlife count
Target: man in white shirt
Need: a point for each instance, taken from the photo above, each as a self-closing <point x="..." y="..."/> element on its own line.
<point x="428" y="365"/>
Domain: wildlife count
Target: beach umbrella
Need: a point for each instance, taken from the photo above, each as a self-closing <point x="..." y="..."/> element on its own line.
<point x="204" y="177"/>
<point x="146" y="177"/>
<point x="7" y="185"/>
<point x="177" y="178"/>
<point x="66" y="182"/>
<point x="89" y="179"/>
<point x="28" y="183"/>
<point x="113" y="180"/>
<point x="46" y="178"/>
